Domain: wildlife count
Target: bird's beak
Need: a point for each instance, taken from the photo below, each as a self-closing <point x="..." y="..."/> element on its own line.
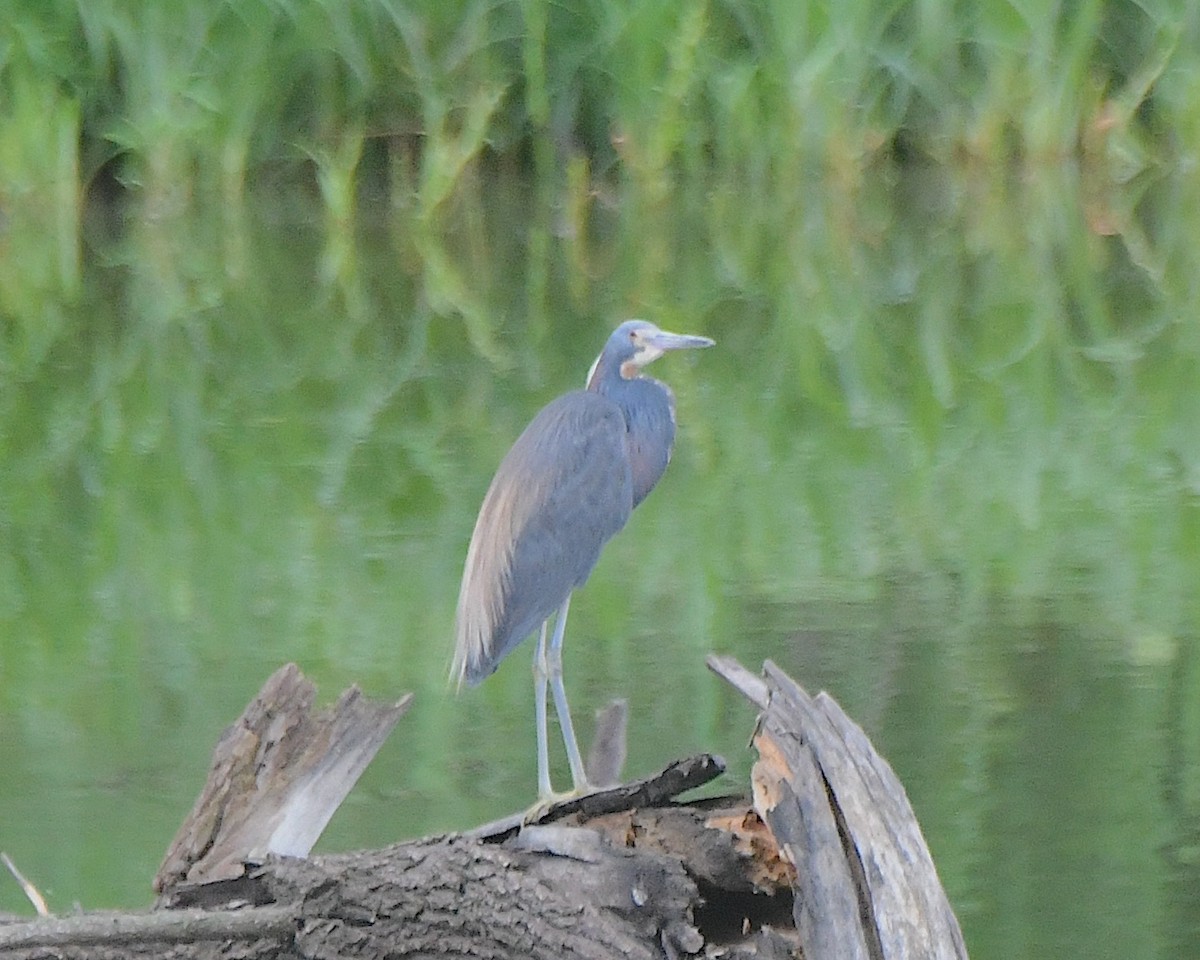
<point x="663" y="341"/>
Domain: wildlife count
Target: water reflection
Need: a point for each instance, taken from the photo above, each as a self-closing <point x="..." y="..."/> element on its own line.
<point x="942" y="463"/>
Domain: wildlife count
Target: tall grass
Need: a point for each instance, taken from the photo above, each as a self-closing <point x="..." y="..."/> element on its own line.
<point x="190" y="99"/>
<point x="709" y="117"/>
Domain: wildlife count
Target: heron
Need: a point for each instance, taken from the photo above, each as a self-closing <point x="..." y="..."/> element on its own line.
<point x="565" y="488"/>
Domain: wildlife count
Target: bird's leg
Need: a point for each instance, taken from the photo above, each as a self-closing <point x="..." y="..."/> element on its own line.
<point x="554" y="669"/>
<point x="540" y="675"/>
<point x="547" y="667"/>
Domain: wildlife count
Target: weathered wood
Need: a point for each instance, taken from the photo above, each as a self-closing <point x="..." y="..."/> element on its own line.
<point x="278" y="774"/>
<point x="866" y="886"/>
<point x="150" y="931"/>
<point x="793" y="797"/>
<point x="625" y="887"/>
<point x="606" y="758"/>
<point x="32" y="893"/>
<point x="750" y="685"/>
<point x="826" y="859"/>
<point x="675" y="778"/>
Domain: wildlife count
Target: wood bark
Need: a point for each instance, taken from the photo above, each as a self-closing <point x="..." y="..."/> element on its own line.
<point x="866" y="886"/>
<point x="278" y="773"/>
<point x="823" y="860"/>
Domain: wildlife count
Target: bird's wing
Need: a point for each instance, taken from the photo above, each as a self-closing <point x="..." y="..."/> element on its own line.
<point x="558" y="496"/>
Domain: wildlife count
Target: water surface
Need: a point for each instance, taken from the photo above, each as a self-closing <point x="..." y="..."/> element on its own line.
<point x="943" y="463"/>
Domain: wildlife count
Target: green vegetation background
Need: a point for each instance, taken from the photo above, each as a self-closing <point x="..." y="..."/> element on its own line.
<point x="949" y="253"/>
<point x="188" y="101"/>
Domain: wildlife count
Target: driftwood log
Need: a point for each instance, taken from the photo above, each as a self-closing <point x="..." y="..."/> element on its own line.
<point x="278" y="775"/>
<point x="823" y="860"/>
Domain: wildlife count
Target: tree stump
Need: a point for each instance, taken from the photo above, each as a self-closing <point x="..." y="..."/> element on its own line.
<point x="866" y="886"/>
<point x="278" y="774"/>
<point x="823" y="860"/>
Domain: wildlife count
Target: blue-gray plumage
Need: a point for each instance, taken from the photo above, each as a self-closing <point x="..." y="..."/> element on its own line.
<point x="568" y="484"/>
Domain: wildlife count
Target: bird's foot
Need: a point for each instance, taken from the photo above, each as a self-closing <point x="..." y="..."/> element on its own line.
<point x="547" y="802"/>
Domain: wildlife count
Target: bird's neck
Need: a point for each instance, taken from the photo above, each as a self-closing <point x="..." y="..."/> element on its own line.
<point x="614" y="382"/>
<point x="649" y="412"/>
<point x="607" y="376"/>
<point x="636" y="396"/>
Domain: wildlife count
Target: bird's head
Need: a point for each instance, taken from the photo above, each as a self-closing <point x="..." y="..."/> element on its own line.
<point x="636" y="343"/>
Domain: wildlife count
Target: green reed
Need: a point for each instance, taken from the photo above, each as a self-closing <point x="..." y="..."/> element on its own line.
<point x="197" y="98"/>
<point x="763" y="127"/>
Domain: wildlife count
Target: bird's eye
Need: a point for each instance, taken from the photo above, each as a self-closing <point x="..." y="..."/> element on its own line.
<point x="633" y="336"/>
